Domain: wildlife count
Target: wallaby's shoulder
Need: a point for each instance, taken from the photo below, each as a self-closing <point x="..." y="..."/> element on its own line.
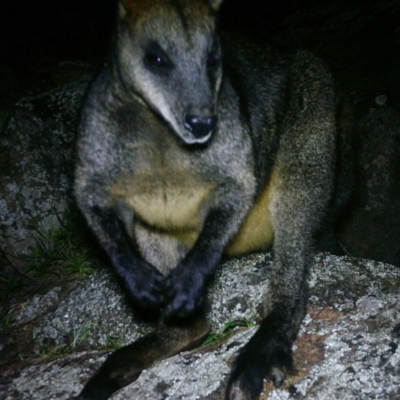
<point x="266" y="76"/>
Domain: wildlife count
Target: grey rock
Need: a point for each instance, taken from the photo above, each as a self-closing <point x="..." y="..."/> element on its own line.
<point x="348" y="346"/>
<point x="37" y="145"/>
<point x="371" y="227"/>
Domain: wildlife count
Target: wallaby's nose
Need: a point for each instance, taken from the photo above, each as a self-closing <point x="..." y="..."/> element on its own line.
<point x="200" y="126"/>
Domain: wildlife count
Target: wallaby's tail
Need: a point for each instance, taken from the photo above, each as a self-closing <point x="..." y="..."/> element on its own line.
<point x="125" y="365"/>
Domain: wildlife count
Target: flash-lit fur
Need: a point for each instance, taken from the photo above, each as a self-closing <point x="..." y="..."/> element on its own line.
<point x="168" y="190"/>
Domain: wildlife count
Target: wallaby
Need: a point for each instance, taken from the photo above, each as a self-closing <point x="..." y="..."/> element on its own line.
<point x="194" y="146"/>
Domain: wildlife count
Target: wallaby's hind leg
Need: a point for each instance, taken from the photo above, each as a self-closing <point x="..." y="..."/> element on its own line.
<point x="125" y="365"/>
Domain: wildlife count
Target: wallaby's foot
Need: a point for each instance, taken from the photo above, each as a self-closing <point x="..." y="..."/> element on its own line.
<point x="246" y="381"/>
<point x="267" y="355"/>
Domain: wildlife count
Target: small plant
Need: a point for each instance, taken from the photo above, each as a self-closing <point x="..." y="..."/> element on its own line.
<point x="50" y="350"/>
<point x="9" y="283"/>
<point x="227" y="331"/>
<point x="7" y="320"/>
<point x="60" y="249"/>
<point x="112" y="342"/>
<point x="77" y="261"/>
<point x="80" y="335"/>
<point x="73" y="340"/>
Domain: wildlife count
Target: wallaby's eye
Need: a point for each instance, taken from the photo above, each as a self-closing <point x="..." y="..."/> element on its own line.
<point x="155" y="59"/>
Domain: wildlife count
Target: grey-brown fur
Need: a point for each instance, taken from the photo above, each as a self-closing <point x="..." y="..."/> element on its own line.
<point x="167" y="200"/>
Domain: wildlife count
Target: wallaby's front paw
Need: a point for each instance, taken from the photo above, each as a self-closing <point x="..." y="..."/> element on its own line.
<point x="146" y="286"/>
<point x="185" y="292"/>
<point x="250" y="369"/>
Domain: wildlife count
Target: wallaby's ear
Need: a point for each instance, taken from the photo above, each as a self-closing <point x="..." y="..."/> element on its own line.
<point x="215" y="4"/>
<point x="121" y="10"/>
<point x="127" y="8"/>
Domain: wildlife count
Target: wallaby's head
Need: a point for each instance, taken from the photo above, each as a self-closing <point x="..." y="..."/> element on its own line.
<point x="169" y="55"/>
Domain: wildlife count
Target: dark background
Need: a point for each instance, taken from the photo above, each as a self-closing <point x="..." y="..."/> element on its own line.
<point x="359" y="39"/>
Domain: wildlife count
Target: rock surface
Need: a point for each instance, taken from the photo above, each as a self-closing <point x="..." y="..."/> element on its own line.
<point x="37" y="146"/>
<point x="348" y="346"/>
<point x="372" y="228"/>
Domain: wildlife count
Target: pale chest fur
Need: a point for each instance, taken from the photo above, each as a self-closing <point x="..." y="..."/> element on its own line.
<point x="175" y="201"/>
